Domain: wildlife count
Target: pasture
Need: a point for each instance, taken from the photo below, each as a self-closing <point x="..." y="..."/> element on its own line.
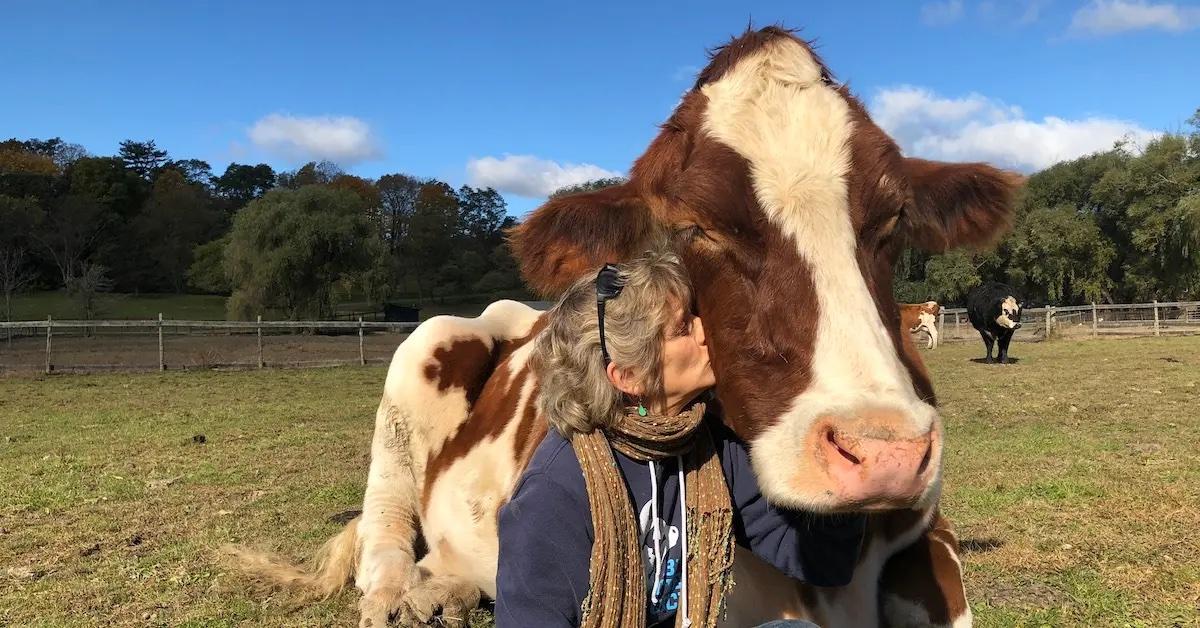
<point x="1073" y="478"/>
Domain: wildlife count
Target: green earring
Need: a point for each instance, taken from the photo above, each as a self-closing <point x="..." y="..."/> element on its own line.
<point x="641" y="409"/>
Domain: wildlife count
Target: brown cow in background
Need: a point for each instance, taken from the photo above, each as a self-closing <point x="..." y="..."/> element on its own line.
<point x="918" y="317"/>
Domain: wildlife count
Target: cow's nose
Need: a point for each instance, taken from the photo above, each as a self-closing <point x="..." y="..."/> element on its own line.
<point x="877" y="464"/>
<point x="1017" y="326"/>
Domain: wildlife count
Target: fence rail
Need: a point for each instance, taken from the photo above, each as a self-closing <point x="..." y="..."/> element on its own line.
<point x="147" y="344"/>
<point x="1095" y="320"/>
<point x="163" y="344"/>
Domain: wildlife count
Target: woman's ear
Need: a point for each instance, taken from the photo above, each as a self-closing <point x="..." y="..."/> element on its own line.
<point x="622" y="380"/>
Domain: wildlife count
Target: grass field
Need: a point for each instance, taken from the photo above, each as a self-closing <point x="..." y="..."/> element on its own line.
<point x="1073" y="478"/>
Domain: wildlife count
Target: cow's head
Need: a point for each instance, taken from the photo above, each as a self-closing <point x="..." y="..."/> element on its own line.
<point x="1010" y="313"/>
<point x="789" y="207"/>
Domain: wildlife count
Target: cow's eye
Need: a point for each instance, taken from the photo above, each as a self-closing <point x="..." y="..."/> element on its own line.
<point x="688" y="232"/>
<point x="890" y="226"/>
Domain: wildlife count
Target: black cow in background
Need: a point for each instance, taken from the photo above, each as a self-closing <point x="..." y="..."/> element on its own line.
<point x="995" y="311"/>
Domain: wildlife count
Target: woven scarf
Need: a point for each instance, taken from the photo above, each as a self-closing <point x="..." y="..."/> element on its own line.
<point x="617" y="594"/>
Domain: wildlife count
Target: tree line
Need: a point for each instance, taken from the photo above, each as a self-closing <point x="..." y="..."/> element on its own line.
<point x="292" y="242"/>
<point x="1116" y="226"/>
<point x="1119" y="226"/>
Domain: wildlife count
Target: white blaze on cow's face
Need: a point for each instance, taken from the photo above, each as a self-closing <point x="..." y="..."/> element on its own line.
<point x="1010" y="313"/>
<point x="858" y="436"/>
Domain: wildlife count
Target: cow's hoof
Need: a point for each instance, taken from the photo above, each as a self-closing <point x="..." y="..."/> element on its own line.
<point x="376" y="607"/>
<point x="437" y="599"/>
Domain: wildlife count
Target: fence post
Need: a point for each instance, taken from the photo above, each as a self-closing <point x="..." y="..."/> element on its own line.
<point x="941" y="321"/>
<point x="1094" y="332"/>
<point x="162" y="363"/>
<point x="49" y="326"/>
<point x="260" y="352"/>
<point x="1156" y="317"/>
<point x="957" y="332"/>
<point x="1049" y="310"/>
<point x="362" y="355"/>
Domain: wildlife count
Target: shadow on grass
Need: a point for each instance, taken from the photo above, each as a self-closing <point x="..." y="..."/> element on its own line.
<point x="979" y="546"/>
<point x="344" y="517"/>
<point x="1011" y="360"/>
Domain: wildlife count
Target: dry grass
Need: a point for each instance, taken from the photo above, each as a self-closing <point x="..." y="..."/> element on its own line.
<point x="109" y="511"/>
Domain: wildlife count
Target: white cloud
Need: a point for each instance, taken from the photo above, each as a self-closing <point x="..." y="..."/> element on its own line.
<point x="977" y="128"/>
<point x="526" y="175"/>
<point x="941" y="13"/>
<point x="1108" y="17"/>
<point x="342" y="139"/>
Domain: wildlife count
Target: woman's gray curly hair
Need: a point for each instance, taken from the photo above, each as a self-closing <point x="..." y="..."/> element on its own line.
<point x="576" y="395"/>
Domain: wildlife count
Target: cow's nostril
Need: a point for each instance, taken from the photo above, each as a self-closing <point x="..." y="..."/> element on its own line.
<point x="841" y="450"/>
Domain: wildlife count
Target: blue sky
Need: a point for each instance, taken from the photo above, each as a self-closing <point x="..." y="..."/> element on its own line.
<point x="524" y="96"/>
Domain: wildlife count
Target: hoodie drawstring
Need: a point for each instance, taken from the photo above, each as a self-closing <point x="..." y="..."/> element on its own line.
<point x="656" y="532"/>
<point x="683" y="536"/>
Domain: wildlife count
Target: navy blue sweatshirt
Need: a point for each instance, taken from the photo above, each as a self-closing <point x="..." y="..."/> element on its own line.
<point x="546" y="535"/>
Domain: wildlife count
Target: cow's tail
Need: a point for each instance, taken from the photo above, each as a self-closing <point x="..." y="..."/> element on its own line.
<point x="333" y="566"/>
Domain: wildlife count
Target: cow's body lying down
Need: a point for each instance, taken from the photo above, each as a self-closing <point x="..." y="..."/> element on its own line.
<point x="454" y="430"/>
<point x="789" y="207"/>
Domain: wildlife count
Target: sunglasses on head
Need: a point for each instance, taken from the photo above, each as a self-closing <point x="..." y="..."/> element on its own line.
<point x="608" y="286"/>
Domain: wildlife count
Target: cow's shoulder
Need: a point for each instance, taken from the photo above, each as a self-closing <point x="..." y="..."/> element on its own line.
<point x="455" y="352"/>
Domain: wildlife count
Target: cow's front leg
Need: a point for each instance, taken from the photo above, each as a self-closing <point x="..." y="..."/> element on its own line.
<point x="922" y="585"/>
<point x="988" y="342"/>
<point x="386" y="568"/>
<point x="1004" y="341"/>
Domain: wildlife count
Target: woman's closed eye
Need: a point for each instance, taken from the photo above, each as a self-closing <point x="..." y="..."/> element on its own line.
<point x="683" y="327"/>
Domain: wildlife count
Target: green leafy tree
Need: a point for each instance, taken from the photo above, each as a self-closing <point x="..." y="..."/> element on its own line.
<point x="1059" y="255"/>
<point x="289" y="250"/>
<point x="398" y="195"/>
<point x="952" y="275"/>
<point x="242" y="183"/>
<point x="311" y="173"/>
<point x="177" y="217"/>
<point x="482" y="212"/>
<point x="195" y="171"/>
<point x="432" y="235"/>
<point x="588" y="186"/>
<point x="207" y="272"/>
<point x="143" y="158"/>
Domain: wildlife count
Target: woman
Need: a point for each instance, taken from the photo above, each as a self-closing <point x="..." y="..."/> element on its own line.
<point x="632" y="472"/>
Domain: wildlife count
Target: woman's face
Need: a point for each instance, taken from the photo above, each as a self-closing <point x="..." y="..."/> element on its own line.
<point x="686" y="369"/>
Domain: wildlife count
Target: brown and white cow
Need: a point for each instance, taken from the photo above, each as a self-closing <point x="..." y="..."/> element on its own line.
<point x="789" y="207"/>
<point x="918" y="317"/>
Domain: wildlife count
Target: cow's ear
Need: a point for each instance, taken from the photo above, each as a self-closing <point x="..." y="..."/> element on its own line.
<point x="958" y="204"/>
<point x="573" y="235"/>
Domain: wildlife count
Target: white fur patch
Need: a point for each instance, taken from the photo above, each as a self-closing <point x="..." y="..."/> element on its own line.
<point x="775" y="111"/>
<point x="1009" y="309"/>
<point x="929" y="324"/>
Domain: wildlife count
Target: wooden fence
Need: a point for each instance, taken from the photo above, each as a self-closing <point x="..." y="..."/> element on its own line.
<point x="81" y="346"/>
<point x="183" y="344"/>
<point x="1082" y="321"/>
